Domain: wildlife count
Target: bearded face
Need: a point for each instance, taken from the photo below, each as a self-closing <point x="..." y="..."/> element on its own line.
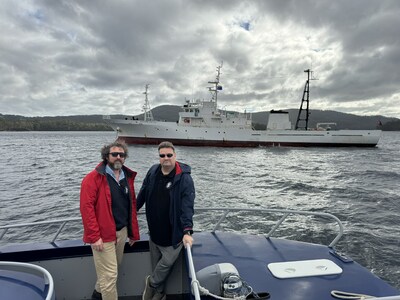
<point x="116" y="158"/>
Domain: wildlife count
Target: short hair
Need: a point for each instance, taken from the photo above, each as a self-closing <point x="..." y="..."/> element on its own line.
<point x="105" y="151"/>
<point x="166" y="144"/>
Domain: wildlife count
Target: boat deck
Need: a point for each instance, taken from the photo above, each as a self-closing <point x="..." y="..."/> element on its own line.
<point x="251" y="254"/>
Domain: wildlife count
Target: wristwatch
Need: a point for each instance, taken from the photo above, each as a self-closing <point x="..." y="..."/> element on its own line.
<point x="188" y="232"/>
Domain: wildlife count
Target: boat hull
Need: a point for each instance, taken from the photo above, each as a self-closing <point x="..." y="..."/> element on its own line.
<point x="139" y="132"/>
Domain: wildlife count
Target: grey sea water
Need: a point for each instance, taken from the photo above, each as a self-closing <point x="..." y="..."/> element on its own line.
<point x="41" y="173"/>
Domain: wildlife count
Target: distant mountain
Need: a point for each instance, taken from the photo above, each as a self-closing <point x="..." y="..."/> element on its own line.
<point x="391" y="125"/>
<point x="171" y="113"/>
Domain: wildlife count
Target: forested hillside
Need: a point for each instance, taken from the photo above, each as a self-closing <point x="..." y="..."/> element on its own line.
<point x="171" y="113"/>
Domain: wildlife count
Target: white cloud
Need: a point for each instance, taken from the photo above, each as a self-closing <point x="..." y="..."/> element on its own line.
<point x="95" y="57"/>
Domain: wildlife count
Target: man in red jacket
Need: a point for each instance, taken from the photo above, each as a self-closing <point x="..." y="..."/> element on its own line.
<point x="108" y="209"/>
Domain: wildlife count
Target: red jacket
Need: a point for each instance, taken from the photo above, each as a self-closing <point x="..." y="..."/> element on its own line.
<point x="95" y="205"/>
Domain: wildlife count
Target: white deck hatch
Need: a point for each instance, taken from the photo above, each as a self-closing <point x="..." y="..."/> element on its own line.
<point x="304" y="268"/>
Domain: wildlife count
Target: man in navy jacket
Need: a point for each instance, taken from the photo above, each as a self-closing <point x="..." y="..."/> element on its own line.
<point x="168" y="192"/>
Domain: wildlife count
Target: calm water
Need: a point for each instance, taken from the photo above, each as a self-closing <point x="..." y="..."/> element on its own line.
<point x="41" y="174"/>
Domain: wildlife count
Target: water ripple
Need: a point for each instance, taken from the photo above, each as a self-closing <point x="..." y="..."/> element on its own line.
<point x="360" y="186"/>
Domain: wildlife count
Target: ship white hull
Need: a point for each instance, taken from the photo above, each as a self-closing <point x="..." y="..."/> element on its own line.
<point x="154" y="132"/>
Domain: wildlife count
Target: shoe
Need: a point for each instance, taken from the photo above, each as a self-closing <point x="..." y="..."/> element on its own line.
<point x="149" y="291"/>
<point x="159" y="296"/>
<point x="96" y="295"/>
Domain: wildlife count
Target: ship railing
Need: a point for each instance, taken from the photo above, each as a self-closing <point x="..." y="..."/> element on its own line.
<point x="61" y="222"/>
<point x="225" y="212"/>
<point x="261" y="213"/>
<point x="34" y="270"/>
<point x="194" y="283"/>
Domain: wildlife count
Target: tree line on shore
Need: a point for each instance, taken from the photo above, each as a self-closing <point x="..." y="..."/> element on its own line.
<point x="37" y="124"/>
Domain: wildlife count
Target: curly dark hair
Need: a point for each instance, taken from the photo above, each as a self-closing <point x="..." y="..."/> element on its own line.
<point x="106" y="149"/>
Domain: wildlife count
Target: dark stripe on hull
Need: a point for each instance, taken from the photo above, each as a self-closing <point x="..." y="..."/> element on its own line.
<point x="211" y="143"/>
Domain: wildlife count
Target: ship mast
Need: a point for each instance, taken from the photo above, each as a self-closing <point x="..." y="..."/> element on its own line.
<point x="214" y="89"/>
<point x="148" y="115"/>
<point x="304" y="112"/>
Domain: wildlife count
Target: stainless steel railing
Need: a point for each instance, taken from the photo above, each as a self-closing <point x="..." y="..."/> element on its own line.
<point x="32" y="269"/>
<point x="62" y="223"/>
<point x="194" y="284"/>
<point x="285" y="214"/>
<point x="225" y="214"/>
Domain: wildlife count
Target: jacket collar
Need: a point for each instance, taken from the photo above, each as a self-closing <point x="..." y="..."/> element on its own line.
<point x="178" y="169"/>
<point x="101" y="169"/>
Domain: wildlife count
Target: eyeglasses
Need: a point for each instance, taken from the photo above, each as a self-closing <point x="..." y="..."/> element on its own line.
<point x="169" y="155"/>
<point x="115" y="154"/>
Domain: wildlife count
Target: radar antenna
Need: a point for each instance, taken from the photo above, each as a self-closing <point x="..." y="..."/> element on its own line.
<point x="214" y="89"/>
<point x="148" y="115"/>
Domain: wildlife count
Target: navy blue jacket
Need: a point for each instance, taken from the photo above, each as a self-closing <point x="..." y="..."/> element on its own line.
<point x="182" y="195"/>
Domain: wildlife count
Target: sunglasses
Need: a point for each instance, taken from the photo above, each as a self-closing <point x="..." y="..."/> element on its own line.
<point x="115" y="154"/>
<point x="169" y="155"/>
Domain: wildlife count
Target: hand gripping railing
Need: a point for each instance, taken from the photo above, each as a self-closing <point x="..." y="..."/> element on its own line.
<point x="32" y="269"/>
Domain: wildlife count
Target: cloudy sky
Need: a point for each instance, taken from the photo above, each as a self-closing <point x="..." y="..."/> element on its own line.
<point x="95" y="57"/>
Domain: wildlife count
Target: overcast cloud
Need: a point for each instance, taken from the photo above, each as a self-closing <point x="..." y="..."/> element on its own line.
<point x="95" y="57"/>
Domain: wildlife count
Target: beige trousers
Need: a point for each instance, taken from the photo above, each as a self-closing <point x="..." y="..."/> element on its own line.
<point x="106" y="263"/>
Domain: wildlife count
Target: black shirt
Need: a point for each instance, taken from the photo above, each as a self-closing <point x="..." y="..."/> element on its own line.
<point x="120" y="203"/>
<point x="159" y="221"/>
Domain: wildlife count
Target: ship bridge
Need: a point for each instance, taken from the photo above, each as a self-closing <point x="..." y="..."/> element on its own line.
<point x="206" y="114"/>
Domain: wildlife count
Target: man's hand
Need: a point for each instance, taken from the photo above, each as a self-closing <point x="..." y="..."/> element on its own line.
<point x="131" y="242"/>
<point x="187" y="240"/>
<point x="98" y="245"/>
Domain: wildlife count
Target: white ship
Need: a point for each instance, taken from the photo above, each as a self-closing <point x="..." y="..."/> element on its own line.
<point x="202" y="123"/>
